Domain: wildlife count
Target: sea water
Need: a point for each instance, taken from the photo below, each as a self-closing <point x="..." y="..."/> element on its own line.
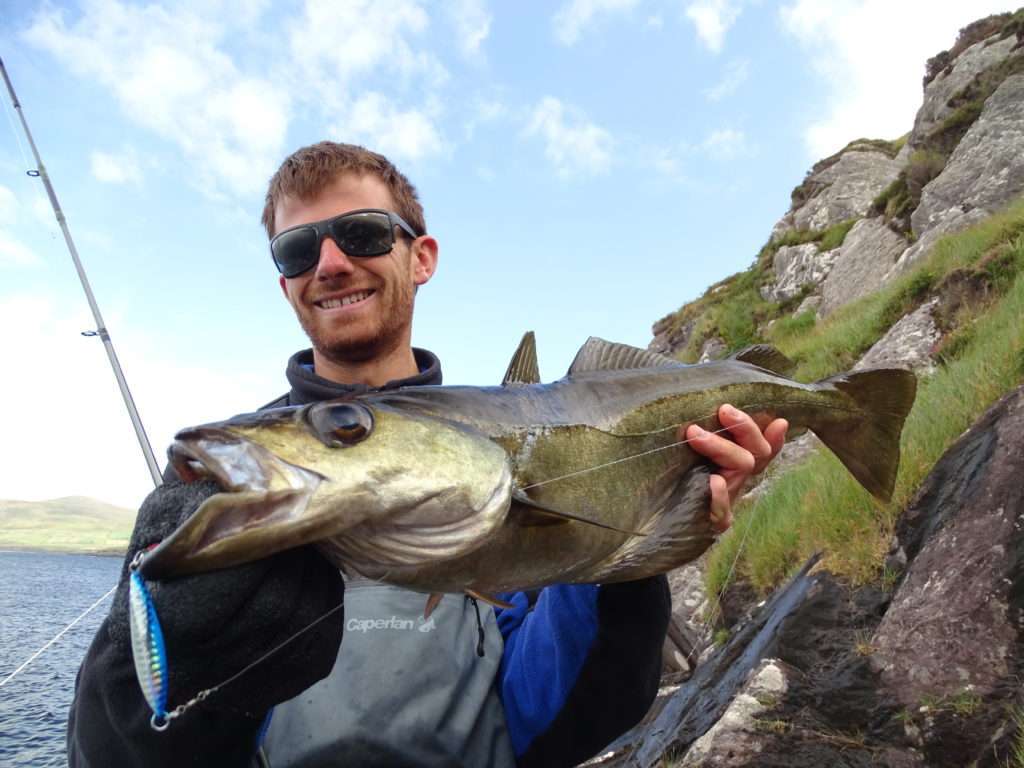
<point x="40" y="594"/>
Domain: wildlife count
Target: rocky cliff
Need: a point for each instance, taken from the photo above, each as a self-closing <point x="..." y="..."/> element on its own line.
<point x="891" y="254"/>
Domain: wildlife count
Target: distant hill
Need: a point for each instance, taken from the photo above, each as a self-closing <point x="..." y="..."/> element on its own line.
<point x="69" y="524"/>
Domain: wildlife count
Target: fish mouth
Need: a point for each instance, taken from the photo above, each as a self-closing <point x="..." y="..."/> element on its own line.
<point x="234" y="463"/>
<point x="260" y="493"/>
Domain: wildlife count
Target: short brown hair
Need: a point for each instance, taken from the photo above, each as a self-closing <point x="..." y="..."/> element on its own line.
<point x="305" y="173"/>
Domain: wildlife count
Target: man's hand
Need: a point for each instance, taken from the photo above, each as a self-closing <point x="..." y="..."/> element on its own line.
<point x="745" y="449"/>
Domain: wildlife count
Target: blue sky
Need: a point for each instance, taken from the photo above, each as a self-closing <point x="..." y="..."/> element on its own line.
<point x="586" y="165"/>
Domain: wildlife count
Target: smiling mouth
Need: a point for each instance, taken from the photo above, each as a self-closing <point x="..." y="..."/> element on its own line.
<point x="344" y="301"/>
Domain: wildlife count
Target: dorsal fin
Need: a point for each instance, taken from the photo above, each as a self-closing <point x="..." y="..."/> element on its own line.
<point x="523" y="367"/>
<point x="600" y="355"/>
<point x="766" y="356"/>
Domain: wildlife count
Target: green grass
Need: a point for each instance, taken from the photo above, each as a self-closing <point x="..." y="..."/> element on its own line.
<point x="818" y="506"/>
<point x="74" y="524"/>
<point x="1016" y="757"/>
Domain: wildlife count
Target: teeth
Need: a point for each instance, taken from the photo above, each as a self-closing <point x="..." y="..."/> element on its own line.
<point x="350" y="299"/>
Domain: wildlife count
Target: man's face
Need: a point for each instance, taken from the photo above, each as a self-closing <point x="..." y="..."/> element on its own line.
<point x="355" y="309"/>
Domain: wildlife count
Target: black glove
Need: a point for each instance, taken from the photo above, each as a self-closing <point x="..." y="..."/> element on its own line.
<point x="217" y="623"/>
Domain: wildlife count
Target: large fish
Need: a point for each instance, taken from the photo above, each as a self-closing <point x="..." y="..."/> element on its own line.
<point x="492" y="489"/>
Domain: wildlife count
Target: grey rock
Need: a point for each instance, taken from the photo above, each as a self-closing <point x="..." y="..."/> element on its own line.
<point x="986" y="170"/>
<point x="809" y="304"/>
<point x="849" y="186"/>
<point x="954" y="221"/>
<point x="668" y="338"/>
<point x="689" y="606"/>
<point x="866" y="255"/>
<point x="908" y="344"/>
<point x="738" y="737"/>
<point x="713" y="349"/>
<point x="794" y="267"/>
<point x="975" y="59"/>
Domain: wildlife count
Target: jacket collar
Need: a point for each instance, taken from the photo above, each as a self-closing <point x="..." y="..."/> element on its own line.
<point x="308" y="387"/>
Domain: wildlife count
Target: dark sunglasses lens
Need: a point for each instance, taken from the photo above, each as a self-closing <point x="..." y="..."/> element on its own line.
<point x="363" y="234"/>
<point x="296" y="251"/>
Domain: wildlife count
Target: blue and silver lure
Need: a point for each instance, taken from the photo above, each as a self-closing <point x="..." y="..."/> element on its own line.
<point x="148" y="650"/>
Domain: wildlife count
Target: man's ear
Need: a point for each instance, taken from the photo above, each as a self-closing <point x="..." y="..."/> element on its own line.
<point x="284" y="287"/>
<point x="423" y="261"/>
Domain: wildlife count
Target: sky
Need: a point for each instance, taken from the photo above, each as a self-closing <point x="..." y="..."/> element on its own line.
<point x="587" y="166"/>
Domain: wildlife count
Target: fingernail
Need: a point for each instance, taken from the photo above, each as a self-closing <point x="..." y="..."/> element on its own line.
<point x="730" y="410"/>
<point x="698" y="431"/>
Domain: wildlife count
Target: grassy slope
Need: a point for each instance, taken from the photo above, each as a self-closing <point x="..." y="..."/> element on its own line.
<point x="818" y="506"/>
<point x="72" y="524"/>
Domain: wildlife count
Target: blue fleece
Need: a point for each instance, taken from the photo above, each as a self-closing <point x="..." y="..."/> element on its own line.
<point x="545" y="648"/>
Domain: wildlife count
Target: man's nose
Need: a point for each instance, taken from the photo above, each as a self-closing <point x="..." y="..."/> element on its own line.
<point x="333" y="261"/>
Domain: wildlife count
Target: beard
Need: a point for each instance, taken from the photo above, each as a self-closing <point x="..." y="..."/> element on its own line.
<point x="386" y="332"/>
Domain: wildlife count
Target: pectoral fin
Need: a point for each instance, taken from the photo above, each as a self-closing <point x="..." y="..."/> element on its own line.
<point x="432" y="602"/>
<point x="490" y="599"/>
<point x="533" y="512"/>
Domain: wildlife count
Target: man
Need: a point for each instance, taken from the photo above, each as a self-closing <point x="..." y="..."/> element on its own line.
<point x="548" y="681"/>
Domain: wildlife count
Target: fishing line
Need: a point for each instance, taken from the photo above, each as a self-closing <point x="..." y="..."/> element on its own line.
<point x="56" y="637"/>
<point x="619" y="461"/>
<point x="160" y="723"/>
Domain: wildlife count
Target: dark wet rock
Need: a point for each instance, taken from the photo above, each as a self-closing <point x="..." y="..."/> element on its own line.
<point x="868" y="252"/>
<point x="951" y="647"/>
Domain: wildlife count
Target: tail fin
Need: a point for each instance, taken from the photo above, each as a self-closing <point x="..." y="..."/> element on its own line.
<point x="870" y="446"/>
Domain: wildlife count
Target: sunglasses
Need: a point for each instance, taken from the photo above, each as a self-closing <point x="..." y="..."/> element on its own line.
<point x="363" y="233"/>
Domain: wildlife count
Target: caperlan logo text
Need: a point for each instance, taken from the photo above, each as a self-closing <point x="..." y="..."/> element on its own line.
<point x="366" y="625"/>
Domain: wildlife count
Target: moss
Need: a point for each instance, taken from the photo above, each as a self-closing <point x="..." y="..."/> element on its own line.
<point x="834" y="236"/>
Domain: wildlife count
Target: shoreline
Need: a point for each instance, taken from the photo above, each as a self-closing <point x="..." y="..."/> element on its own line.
<point x="102" y="552"/>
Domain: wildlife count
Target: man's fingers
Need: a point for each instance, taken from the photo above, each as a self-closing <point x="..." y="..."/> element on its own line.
<point x="775" y="434"/>
<point x="721" y="506"/>
<point x="745" y="431"/>
<point x="721" y="450"/>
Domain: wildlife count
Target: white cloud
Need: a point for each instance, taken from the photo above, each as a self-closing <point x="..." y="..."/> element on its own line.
<point x="15" y="253"/>
<point x="472" y="22"/>
<point x="12" y="251"/>
<point x="8" y="205"/>
<point x="725" y="143"/>
<point x="168" y="70"/>
<point x="115" y="168"/>
<point x="335" y="44"/>
<point x="410" y="134"/>
<point x="736" y="73"/>
<point x="712" y="18"/>
<point x="870" y="64"/>
<point x="574" y="145"/>
<point x="572" y="18"/>
<point x="66" y="449"/>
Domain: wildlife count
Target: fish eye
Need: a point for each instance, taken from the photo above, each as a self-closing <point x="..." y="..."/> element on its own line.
<point x="341" y="424"/>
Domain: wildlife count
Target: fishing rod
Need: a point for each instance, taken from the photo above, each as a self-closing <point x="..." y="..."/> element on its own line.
<point x="101" y="329"/>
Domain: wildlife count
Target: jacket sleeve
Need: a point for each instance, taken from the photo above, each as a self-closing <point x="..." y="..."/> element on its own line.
<point x="109" y="721"/>
<point x="580" y="667"/>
